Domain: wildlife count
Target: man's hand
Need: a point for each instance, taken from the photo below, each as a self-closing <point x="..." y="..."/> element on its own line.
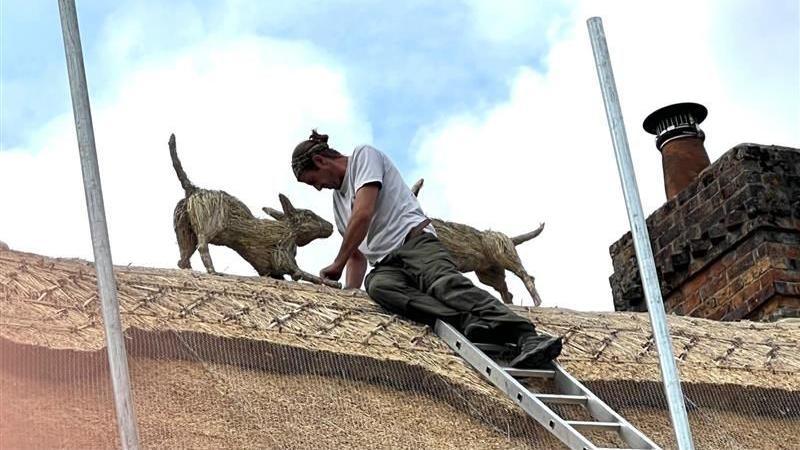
<point x="332" y="272"/>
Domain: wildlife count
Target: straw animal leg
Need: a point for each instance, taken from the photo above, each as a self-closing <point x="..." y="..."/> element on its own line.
<point x="187" y="244"/>
<point x="207" y="219"/>
<point x="187" y="240"/>
<point x="495" y="277"/>
<point x="528" y="281"/>
<point x="202" y="247"/>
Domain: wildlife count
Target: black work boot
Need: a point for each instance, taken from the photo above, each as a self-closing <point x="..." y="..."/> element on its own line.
<point x="536" y="351"/>
<point x="478" y="332"/>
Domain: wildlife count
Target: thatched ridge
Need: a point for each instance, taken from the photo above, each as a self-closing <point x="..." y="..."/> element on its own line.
<point x="53" y="303"/>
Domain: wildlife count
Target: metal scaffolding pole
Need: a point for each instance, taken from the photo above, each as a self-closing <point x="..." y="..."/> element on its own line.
<point x="641" y="239"/>
<point x="117" y="358"/>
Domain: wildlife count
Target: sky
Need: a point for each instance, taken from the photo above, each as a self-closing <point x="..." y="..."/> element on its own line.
<point x="496" y="104"/>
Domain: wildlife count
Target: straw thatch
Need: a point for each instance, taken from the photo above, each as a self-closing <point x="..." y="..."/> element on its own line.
<point x="249" y="362"/>
<point x="53" y="303"/>
<point x="200" y="404"/>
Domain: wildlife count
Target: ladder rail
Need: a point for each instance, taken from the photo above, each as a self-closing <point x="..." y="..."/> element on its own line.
<point x="600" y="410"/>
<point x="512" y="388"/>
<point x="534" y="404"/>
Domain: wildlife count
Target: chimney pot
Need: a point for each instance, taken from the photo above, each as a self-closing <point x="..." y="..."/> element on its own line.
<point x="680" y="141"/>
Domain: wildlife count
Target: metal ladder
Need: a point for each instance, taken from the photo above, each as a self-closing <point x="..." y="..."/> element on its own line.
<point x="570" y="392"/>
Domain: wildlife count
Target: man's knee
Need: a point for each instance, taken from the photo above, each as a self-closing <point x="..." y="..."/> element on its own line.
<point x="374" y="284"/>
<point x="386" y="292"/>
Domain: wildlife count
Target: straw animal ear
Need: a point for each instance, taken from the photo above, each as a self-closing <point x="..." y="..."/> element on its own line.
<point x="274" y="213"/>
<point x="417" y="186"/>
<point x="288" y="208"/>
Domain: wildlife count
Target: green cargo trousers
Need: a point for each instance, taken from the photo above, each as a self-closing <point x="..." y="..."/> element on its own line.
<point x="420" y="281"/>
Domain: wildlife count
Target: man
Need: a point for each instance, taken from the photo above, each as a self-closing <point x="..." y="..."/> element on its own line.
<point x="413" y="275"/>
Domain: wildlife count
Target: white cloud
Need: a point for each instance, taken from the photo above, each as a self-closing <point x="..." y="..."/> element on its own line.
<point x="545" y="153"/>
<point x="510" y="21"/>
<point x="237" y="105"/>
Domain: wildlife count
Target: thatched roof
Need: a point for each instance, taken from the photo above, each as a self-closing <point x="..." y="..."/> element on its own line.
<point x="223" y="361"/>
<point x="53" y="303"/>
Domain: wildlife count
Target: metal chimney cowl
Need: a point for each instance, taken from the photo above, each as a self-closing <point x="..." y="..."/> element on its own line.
<point x="680" y="141"/>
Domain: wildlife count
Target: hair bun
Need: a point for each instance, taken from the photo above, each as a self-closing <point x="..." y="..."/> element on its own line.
<point x="316" y="137"/>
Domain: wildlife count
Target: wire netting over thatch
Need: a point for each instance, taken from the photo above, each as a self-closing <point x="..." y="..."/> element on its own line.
<point x="225" y="361"/>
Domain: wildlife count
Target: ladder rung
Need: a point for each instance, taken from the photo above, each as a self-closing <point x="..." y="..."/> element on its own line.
<point x="563" y="399"/>
<point x="605" y="426"/>
<point x="530" y="373"/>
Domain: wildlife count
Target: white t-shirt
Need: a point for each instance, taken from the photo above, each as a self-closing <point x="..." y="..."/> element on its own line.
<point x="396" y="209"/>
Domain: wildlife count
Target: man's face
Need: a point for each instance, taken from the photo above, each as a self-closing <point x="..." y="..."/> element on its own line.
<point x="322" y="176"/>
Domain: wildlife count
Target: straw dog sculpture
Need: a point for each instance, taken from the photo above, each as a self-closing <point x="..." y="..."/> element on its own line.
<point x="488" y="253"/>
<point x="205" y="217"/>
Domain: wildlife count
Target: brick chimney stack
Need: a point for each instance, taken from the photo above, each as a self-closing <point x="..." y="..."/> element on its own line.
<point x="680" y="141"/>
<point x="728" y="246"/>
